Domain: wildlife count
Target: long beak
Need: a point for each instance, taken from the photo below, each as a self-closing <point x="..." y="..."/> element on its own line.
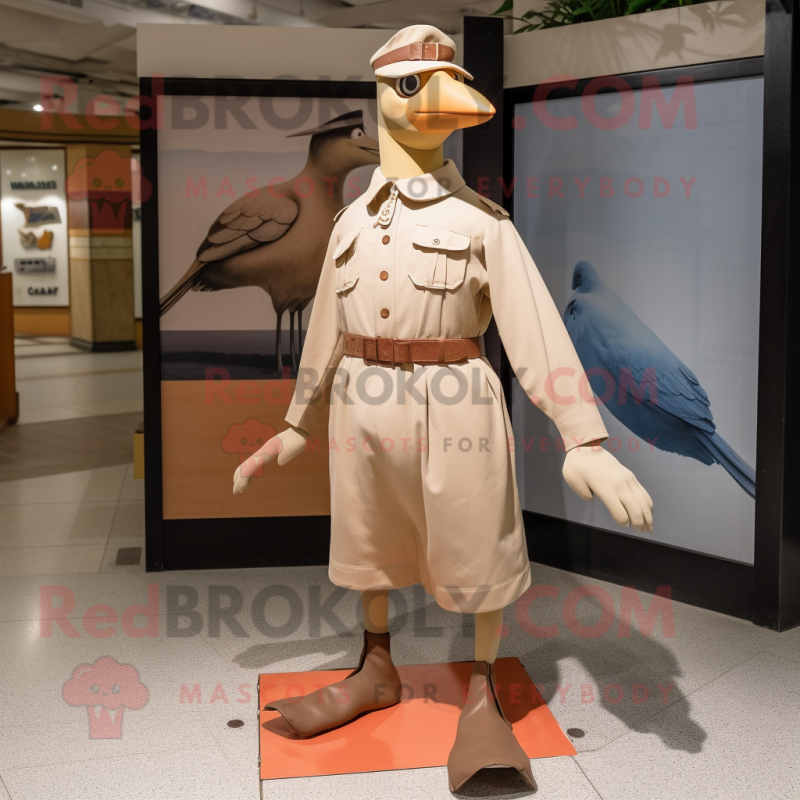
<point x="366" y="143"/>
<point x="445" y="104"/>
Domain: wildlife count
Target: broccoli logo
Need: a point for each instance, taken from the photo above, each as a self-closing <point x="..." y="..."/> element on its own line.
<point x="246" y="439"/>
<point x="105" y="687"/>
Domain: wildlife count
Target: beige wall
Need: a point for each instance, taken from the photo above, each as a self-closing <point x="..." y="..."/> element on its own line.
<point x="718" y="31"/>
<point x="214" y="51"/>
<point x="699" y="34"/>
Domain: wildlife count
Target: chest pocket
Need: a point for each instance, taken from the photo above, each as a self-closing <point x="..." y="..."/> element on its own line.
<point x="439" y="260"/>
<point x="346" y="263"/>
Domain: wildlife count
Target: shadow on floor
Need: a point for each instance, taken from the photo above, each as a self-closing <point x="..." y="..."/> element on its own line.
<point x="71" y="445"/>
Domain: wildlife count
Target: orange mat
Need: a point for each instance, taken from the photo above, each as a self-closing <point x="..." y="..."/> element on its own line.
<point x="418" y="732"/>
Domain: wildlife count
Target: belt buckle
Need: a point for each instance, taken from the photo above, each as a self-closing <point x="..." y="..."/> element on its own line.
<point x="378" y="359"/>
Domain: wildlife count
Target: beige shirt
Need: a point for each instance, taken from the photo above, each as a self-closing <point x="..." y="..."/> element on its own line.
<point x="428" y="257"/>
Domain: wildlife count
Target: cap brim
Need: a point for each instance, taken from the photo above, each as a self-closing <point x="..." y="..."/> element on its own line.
<point x="402" y="68"/>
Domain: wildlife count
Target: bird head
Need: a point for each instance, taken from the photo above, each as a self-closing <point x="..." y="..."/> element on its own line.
<point x="422" y="96"/>
<point x="341" y="145"/>
<point x="422" y="109"/>
<point x="585" y="278"/>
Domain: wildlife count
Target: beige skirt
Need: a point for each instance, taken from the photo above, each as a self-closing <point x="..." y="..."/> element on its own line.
<point x="423" y="486"/>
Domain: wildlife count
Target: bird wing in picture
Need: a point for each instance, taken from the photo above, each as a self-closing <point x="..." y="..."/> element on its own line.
<point x="641" y="381"/>
<point x="246" y="223"/>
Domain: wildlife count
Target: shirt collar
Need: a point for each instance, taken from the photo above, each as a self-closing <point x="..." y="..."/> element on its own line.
<point x="431" y="186"/>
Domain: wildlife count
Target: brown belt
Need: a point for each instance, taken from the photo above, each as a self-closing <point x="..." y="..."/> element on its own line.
<point x="410" y="351"/>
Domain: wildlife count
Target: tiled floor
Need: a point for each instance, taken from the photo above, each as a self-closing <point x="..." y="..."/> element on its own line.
<point x="729" y="726"/>
<point x="68" y="499"/>
<point x="57" y="381"/>
<point x="708" y="707"/>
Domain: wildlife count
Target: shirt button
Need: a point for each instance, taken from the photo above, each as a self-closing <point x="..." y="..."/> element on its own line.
<point x="384" y="275"/>
<point x="384" y="312"/>
<point x="386" y="239"/>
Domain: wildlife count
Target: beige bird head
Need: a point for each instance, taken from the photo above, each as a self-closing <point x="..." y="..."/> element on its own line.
<point x="422" y="97"/>
<point x="341" y="145"/>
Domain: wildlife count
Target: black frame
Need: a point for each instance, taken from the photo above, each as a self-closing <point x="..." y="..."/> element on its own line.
<point x="484" y="145"/>
<point x="206" y="543"/>
<point x="764" y="592"/>
<point x="777" y="576"/>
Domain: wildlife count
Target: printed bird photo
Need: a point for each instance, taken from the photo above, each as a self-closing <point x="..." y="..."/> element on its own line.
<point x="641" y="381"/>
<point x="275" y="236"/>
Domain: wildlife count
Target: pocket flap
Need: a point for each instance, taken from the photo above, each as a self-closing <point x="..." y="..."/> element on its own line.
<point x="347" y="241"/>
<point x="439" y="238"/>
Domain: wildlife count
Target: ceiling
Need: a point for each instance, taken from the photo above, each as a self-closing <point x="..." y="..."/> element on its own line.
<point x="94" y="41"/>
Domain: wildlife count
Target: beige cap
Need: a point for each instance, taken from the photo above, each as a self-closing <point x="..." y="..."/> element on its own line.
<point x="418" y="48"/>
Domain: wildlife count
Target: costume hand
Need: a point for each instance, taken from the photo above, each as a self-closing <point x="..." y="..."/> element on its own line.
<point x="590" y="470"/>
<point x="286" y="445"/>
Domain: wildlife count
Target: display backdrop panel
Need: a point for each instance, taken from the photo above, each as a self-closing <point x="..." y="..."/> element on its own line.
<point x="642" y="210"/>
<point x="248" y="187"/>
<point x="34" y="225"/>
<point x="210" y="160"/>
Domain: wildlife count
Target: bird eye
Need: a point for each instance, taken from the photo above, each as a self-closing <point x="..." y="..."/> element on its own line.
<point x="356" y="133"/>
<point x="244" y="441"/>
<point x="408" y="86"/>
<point x="116" y="688"/>
<point x="94" y="688"/>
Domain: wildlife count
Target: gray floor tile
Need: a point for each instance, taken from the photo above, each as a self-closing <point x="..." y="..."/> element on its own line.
<point x="185" y="775"/>
<point x="240" y="745"/>
<point x="739" y="736"/>
<point x="132" y="488"/>
<point x="128" y="521"/>
<point x="33" y="416"/>
<point x="32" y="525"/>
<point x="121" y="406"/>
<point x="142" y="731"/>
<point x="787" y="644"/>
<point x="36" y="668"/>
<point x="90" y="486"/>
<point x="40" y="392"/>
<point x="106" y="387"/>
<point x="192" y="589"/>
<point x="79" y="362"/>
<point x="64" y="560"/>
<point x="557" y="778"/>
<point x="29" y="598"/>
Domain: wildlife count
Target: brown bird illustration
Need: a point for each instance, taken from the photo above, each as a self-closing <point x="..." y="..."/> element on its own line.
<point x="275" y="237"/>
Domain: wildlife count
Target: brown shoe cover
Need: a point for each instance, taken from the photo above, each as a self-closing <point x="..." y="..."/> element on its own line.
<point x="484" y="737"/>
<point x="372" y="685"/>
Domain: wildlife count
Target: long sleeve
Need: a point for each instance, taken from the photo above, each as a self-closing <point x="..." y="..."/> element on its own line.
<point x="535" y="339"/>
<point x="322" y="349"/>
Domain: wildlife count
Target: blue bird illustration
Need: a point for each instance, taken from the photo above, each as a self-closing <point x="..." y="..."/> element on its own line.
<point x="641" y="381"/>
